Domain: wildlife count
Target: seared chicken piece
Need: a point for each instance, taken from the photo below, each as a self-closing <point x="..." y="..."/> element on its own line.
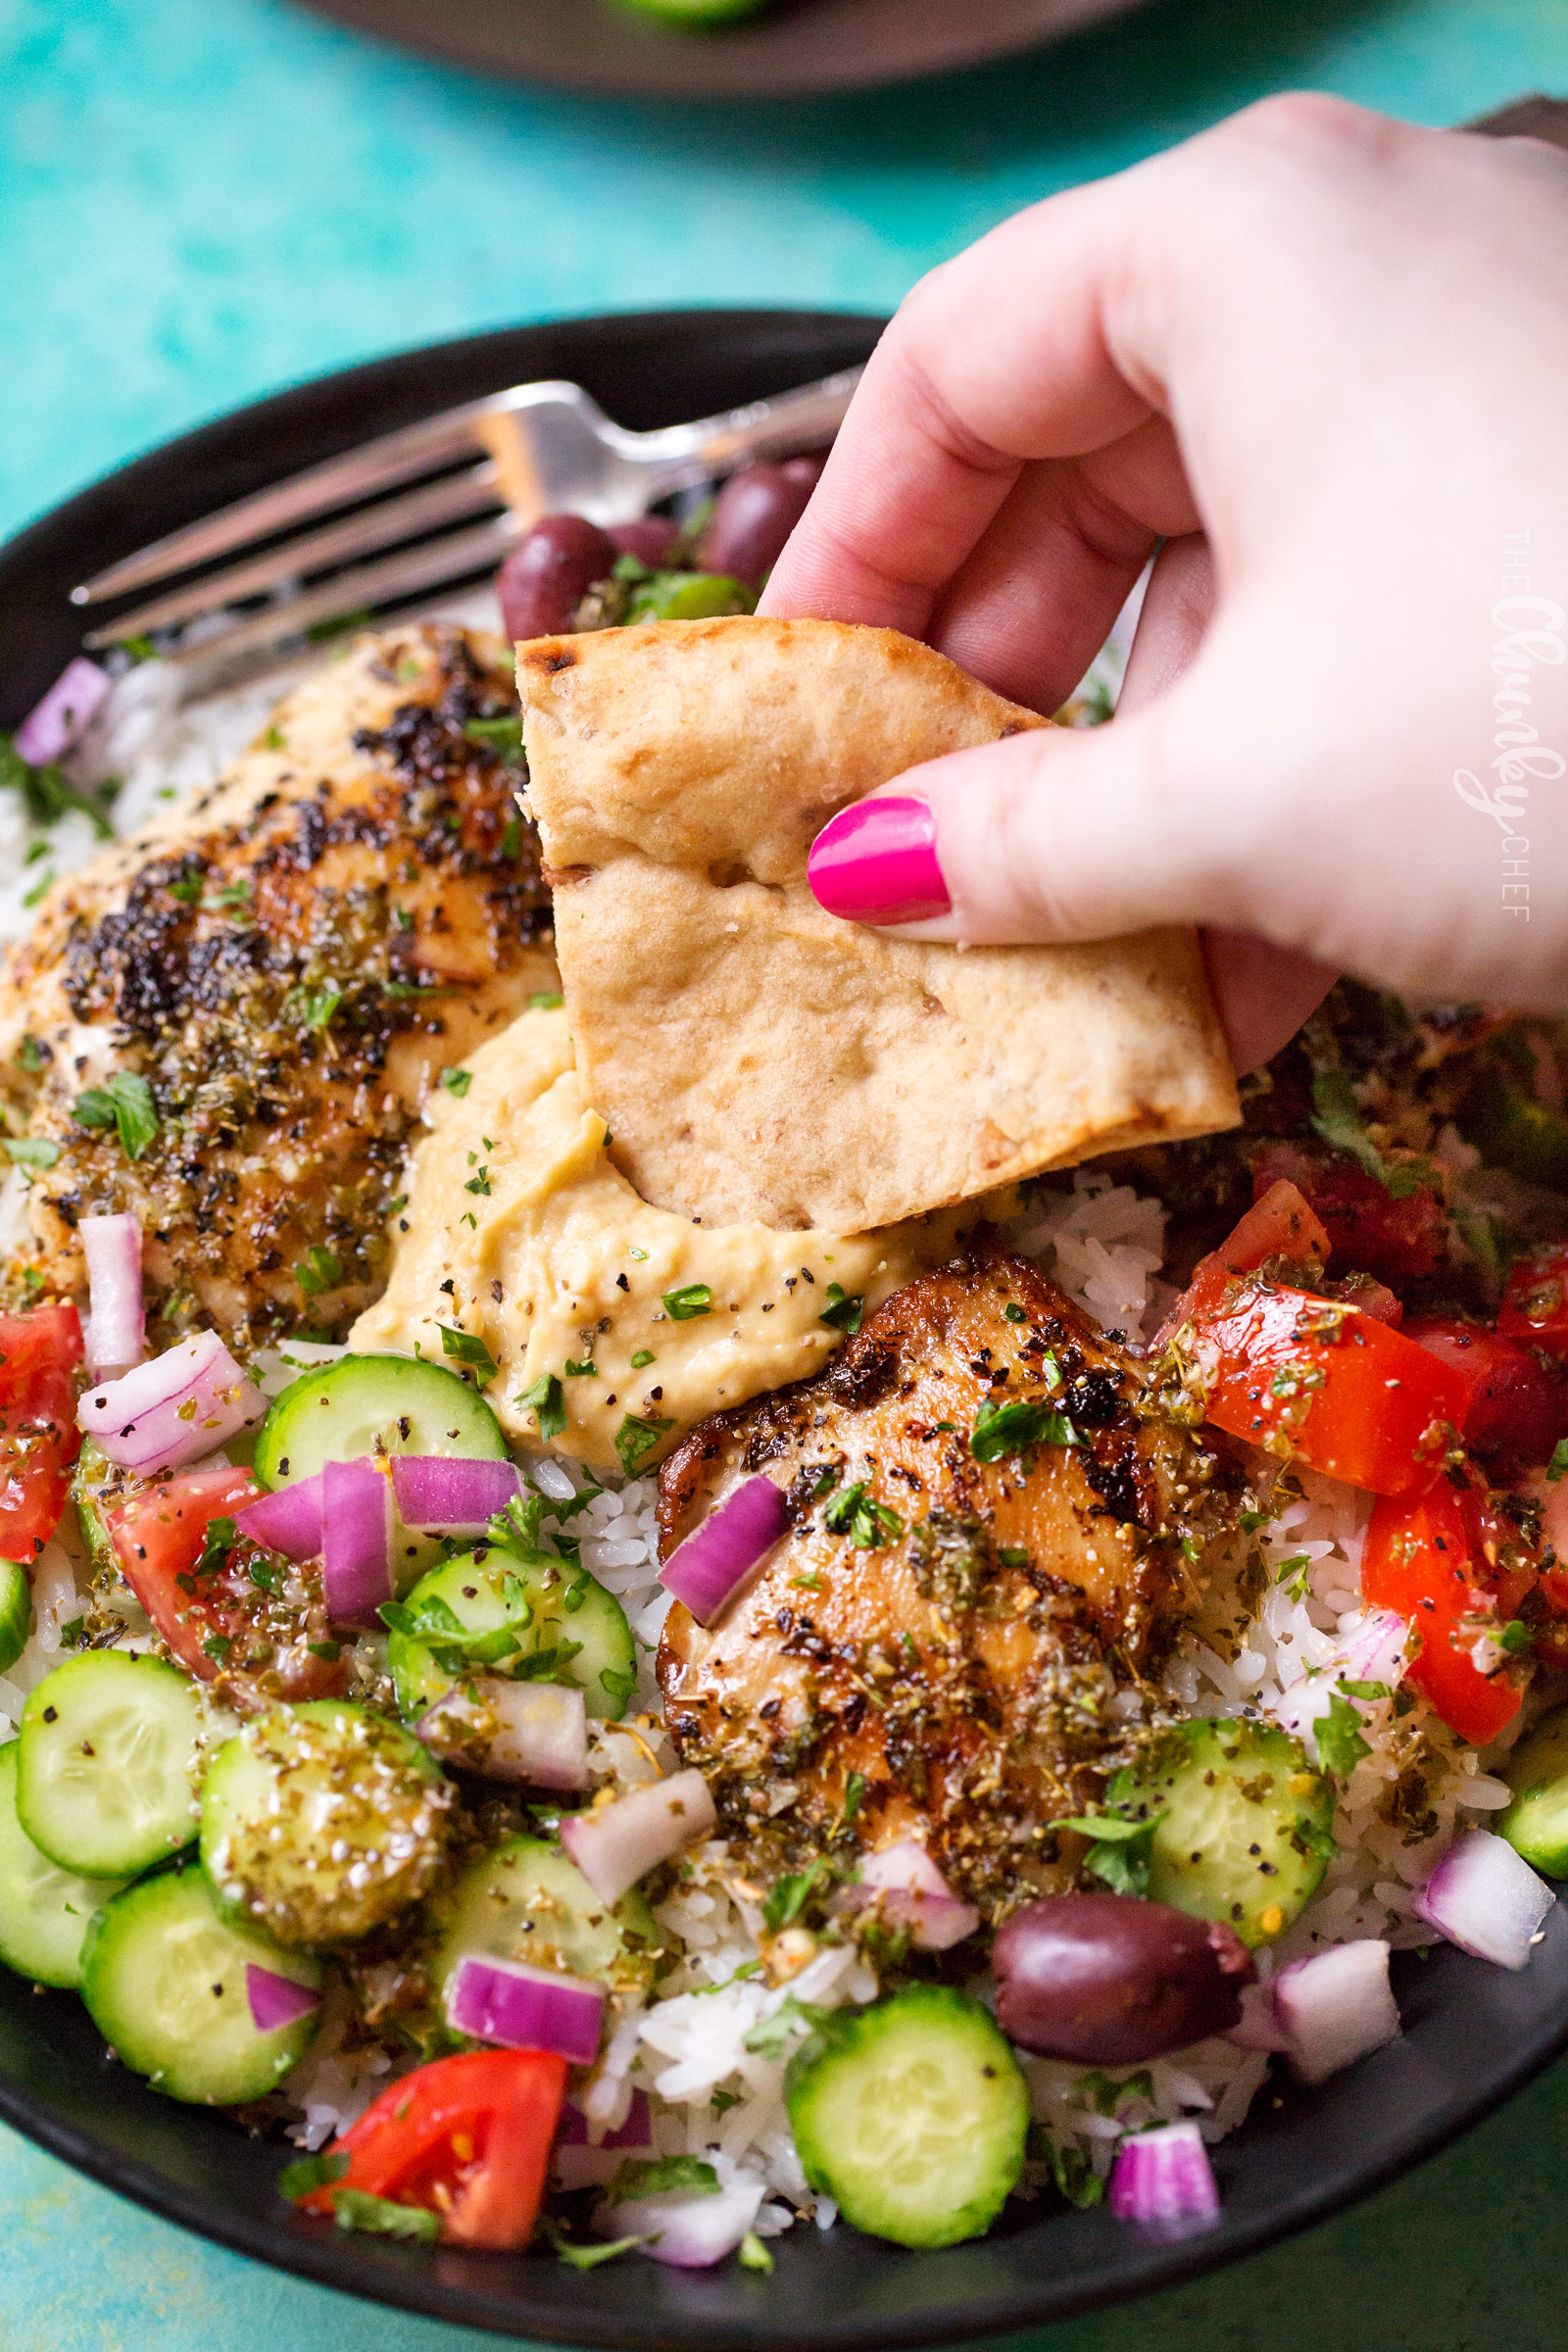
<point x="287" y="961"/>
<point x="934" y="1649"/>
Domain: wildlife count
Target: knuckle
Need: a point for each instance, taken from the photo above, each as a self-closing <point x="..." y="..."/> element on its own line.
<point x="1315" y="129"/>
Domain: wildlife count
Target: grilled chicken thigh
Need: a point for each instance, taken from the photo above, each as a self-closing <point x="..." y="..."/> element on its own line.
<point x="287" y="961"/>
<point x="935" y="1649"/>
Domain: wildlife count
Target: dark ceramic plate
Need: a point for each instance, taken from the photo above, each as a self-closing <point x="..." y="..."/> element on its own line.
<point x="1473" y="2033"/>
<point x="800" y="46"/>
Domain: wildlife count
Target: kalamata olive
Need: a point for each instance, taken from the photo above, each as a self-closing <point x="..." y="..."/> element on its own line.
<point x="755" y="513"/>
<point x="548" y="573"/>
<point x="1109" y="1978"/>
<point x="650" y="539"/>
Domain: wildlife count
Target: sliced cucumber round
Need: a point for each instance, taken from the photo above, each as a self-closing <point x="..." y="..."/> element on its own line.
<point x="1245" y="1824"/>
<point x="16" y="1612"/>
<point x="912" y="2115"/>
<point x="104" y="1776"/>
<point x="1535" y="1824"/>
<point x="321" y="1821"/>
<point x="527" y="1900"/>
<point x="368" y="1405"/>
<point x="492" y="1611"/>
<point x="45" y="1912"/>
<point x="164" y="1981"/>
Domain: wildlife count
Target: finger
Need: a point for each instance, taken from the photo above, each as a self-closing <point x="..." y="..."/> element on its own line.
<point x="1261" y="993"/>
<point x="1177" y="605"/>
<point x="1032" y="606"/>
<point x="943" y="418"/>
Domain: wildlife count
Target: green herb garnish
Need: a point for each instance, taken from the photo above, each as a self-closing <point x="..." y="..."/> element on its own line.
<point x="311" y="2172"/>
<point x="457" y="1082"/>
<point x="842" y="1311"/>
<point x="467" y="1347"/>
<point x="31" y="1150"/>
<point x="125" y="1103"/>
<point x="357" y="2209"/>
<point x="869" y="1525"/>
<point x="318" y="1270"/>
<point x="1340" y="1745"/>
<point x="1002" y="1429"/>
<point x="636" y="1439"/>
<point x="1122" y="1850"/>
<point x="684" y="1305"/>
<point x="660" y="2176"/>
<point x="545" y="1399"/>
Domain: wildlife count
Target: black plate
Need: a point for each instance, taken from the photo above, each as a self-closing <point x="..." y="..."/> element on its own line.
<point x="798" y="47"/>
<point x="1474" y="2034"/>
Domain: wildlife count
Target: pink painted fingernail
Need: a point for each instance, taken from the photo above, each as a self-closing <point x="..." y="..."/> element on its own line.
<point x="877" y="863"/>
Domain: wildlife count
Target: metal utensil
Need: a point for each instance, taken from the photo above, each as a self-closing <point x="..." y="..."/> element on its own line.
<point x="537" y="448"/>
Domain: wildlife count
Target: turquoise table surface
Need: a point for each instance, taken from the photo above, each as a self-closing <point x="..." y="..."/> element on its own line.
<point x="203" y="199"/>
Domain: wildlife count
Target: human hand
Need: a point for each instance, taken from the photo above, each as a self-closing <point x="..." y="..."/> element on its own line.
<point x="1322" y="356"/>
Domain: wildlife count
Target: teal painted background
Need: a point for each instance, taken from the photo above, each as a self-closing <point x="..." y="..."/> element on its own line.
<point x="203" y="199"/>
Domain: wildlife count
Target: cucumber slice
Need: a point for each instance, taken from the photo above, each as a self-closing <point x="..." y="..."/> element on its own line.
<point x="45" y="1912"/>
<point x="164" y="1981"/>
<point x="544" y="1617"/>
<point x="105" y="1778"/>
<point x="1535" y="1824"/>
<point x="373" y="1404"/>
<point x="321" y="1821"/>
<point x="527" y="1900"/>
<point x="1246" y="1828"/>
<point x="16" y="1611"/>
<point x="912" y="2115"/>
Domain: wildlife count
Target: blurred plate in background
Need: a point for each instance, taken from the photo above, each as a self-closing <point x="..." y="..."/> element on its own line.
<point x="798" y="47"/>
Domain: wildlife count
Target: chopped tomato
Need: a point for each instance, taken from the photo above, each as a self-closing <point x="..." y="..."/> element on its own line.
<point x="223" y="1611"/>
<point x="1534" y="1301"/>
<point x="467" y="2137"/>
<point x="1279" y="1224"/>
<point x="1516" y="1404"/>
<point x="40" y="1354"/>
<point x="1425" y="1557"/>
<point x="1396" y="1234"/>
<point x="1319" y="1381"/>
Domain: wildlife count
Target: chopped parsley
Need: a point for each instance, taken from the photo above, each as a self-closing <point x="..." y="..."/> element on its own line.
<point x="752" y="2255"/>
<point x="1013" y="1312"/>
<point x="318" y="1270"/>
<point x="868" y="1524"/>
<point x="357" y="2209"/>
<point x="216" y="1646"/>
<point x="586" y="1370"/>
<point x="842" y="1312"/>
<point x="546" y="1399"/>
<point x="31" y="1150"/>
<point x="853" y="1794"/>
<point x="479" y="1184"/>
<point x="584" y="2258"/>
<point x="636" y="1439"/>
<point x="231" y="896"/>
<point x="1122" y="1850"/>
<point x="467" y="1347"/>
<point x="1338" y="1121"/>
<point x="311" y="2172"/>
<point x="504" y="736"/>
<point x="683" y="1306"/>
<point x="617" y="1683"/>
<point x="1340" y="1745"/>
<point x="31" y="1053"/>
<point x="40" y="890"/>
<point x="219" y="1541"/>
<point x="1557" y="1467"/>
<point x="769" y="2037"/>
<point x="511" y="837"/>
<point x="643" y="1357"/>
<point x="314" y="1006"/>
<point x="544" y="1002"/>
<point x="457" y="1082"/>
<point x="1002" y="1429"/>
<point x="1514" y="1637"/>
<point x="125" y="1103"/>
<point x="659" y="2176"/>
<point x="44" y="792"/>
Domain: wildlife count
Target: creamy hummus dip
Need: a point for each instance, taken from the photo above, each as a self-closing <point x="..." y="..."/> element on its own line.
<point x="523" y="1243"/>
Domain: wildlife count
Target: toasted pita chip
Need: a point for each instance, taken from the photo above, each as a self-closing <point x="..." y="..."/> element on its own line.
<point x="756" y="1057"/>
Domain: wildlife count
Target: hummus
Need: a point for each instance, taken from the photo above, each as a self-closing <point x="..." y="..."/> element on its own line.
<point x="520" y="1235"/>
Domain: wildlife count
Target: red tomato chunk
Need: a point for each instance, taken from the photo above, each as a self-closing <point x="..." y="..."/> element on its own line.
<point x="467" y="2137"/>
<point x="39" y="1354"/>
<point x="1425" y="1558"/>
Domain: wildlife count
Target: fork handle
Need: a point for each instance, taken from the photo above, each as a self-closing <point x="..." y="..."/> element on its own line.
<point x="680" y="455"/>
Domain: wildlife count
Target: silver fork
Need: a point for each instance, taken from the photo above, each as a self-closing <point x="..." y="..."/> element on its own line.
<point x="537" y="448"/>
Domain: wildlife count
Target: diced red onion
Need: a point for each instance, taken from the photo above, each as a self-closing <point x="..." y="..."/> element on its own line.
<point x="715" y="1559"/>
<point x="64" y="715"/>
<point x="276" y="2000"/>
<point x="685" y="2227"/>
<point x="1486" y="1900"/>
<point x="445" y="1496"/>
<point x="289" y="1520"/>
<point x="912" y="1893"/>
<point x="356" y="1542"/>
<point x="541" y="1736"/>
<point x="1335" y="2007"/>
<point x="525" y="2008"/>
<point x="1372" y="1653"/>
<point x="614" y="1845"/>
<point x="575" y="2164"/>
<point x="116" y="1322"/>
<point x="1164" y="2179"/>
<point x="1260" y="2025"/>
<point x="184" y="1403"/>
<point x="635" y="2132"/>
